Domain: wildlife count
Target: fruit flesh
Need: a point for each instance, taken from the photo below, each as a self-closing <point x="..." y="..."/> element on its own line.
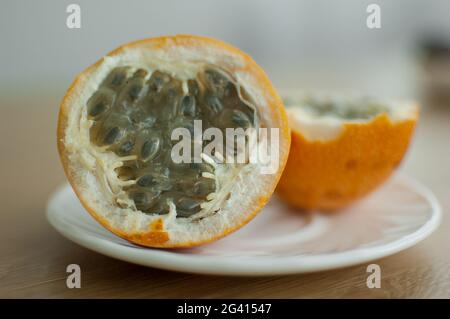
<point x="363" y="108"/>
<point x="133" y="114"/>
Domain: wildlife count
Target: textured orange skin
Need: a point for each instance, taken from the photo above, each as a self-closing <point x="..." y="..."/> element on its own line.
<point x="156" y="236"/>
<point x="332" y="174"/>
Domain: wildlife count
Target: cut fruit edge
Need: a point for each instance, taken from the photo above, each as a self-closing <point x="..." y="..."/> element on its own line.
<point x="327" y="127"/>
<point x="166" y="230"/>
<point x="344" y="148"/>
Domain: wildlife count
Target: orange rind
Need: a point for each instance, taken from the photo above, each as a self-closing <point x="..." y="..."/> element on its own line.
<point x="343" y="147"/>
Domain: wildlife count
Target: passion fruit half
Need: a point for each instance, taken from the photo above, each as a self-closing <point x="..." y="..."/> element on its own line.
<point x="115" y="139"/>
<point x="343" y="147"/>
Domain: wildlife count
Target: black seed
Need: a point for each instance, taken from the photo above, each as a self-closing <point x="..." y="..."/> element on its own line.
<point x="230" y="90"/>
<point x="156" y="85"/>
<point x="146" y="181"/>
<point x="135" y="84"/>
<point x="215" y="78"/>
<point x="240" y="119"/>
<point x="97" y="109"/>
<point x="134" y="91"/>
<point x="150" y="148"/>
<point x="248" y="110"/>
<point x="214" y="103"/>
<point x="157" y="81"/>
<point x="188" y="106"/>
<point x="188" y="203"/>
<point x="161" y="207"/>
<point x="185" y="214"/>
<point x="144" y="200"/>
<point x="204" y="187"/>
<point x="198" y="168"/>
<point x="139" y="198"/>
<point x="218" y="82"/>
<point x="187" y="207"/>
<point x="100" y="102"/>
<point x="118" y="79"/>
<point x="171" y="93"/>
<point x="112" y="136"/>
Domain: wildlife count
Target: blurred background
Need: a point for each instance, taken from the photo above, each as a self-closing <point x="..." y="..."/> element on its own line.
<point x="307" y="44"/>
<point x="300" y="43"/>
<point x="304" y="44"/>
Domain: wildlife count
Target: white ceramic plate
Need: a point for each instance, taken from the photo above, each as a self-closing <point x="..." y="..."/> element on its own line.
<point x="278" y="240"/>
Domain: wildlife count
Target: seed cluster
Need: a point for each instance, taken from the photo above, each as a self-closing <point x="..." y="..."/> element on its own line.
<point x="357" y="109"/>
<point x="134" y="113"/>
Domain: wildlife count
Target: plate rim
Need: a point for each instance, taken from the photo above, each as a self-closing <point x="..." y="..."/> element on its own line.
<point x="249" y="265"/>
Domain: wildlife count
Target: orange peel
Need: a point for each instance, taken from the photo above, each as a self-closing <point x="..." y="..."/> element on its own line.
<point x="342" y="147"/>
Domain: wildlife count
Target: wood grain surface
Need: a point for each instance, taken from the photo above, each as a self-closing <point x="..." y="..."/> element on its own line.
<point x="33" y="256"/>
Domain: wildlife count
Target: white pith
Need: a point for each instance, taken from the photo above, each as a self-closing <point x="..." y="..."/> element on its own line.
<point x="329" y="127"/>
<point x="95" y="168"/>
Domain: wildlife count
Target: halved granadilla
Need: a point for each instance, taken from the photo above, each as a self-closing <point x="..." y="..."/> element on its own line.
<point x="343" y="147"/>
<point x="115" y="138"/>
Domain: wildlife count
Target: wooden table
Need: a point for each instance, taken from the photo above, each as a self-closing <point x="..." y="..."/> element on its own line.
<point x="33" y="256"/>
